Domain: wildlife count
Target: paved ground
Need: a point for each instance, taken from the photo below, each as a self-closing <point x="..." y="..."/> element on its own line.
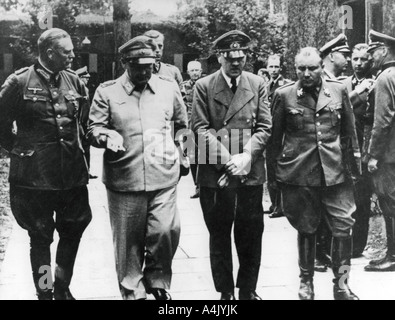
<point x="95" y="277"/>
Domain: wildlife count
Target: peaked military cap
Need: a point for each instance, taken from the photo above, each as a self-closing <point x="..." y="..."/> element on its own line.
<point x="83" y="72"/>
<point x="378" y="40"/>
<point x="232" y="44"/>
<point x="339" y="44"/>
<point x="139" y="50"/>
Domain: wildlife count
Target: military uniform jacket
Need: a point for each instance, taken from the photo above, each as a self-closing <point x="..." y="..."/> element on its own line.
<point x="151" y="160"/>
<point x="46" y="152"/>
<point x="228" y="124"/>
<point x="274" y="85"/>
<point x="307" y="137"/>
<point x="360" y="105"/>
<point x="382" y="143"/>
<point x="169" y="71"/>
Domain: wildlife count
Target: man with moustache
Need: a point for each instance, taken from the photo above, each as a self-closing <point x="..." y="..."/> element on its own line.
<point x="358" y="86"/>
<point x="160" y="68"/>
<point x="313" y="123"/>
<point x="381" y="152"/>
<point x="133" y="118"/>
<point x="187" y="88"/>
<point x="231" y="118"/>
<point x="49" y="172"/>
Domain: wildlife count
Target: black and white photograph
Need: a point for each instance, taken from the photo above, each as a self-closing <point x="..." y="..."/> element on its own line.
<point x="197" y="151"/>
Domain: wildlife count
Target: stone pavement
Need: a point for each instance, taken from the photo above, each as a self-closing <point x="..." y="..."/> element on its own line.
<point x="95" y="277"/>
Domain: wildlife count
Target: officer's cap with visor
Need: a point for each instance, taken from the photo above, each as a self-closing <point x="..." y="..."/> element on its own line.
<point x="339" y="44"/>
<point x="377" y="40"/>
<point x="232" y="45"/>
<point x="139" y="50"/>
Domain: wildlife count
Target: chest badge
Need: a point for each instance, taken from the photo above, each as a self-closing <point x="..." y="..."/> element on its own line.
<point x="300" y="93"/>
<point x="35" y="90"/>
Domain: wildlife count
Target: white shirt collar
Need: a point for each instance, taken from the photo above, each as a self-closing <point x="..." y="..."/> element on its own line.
<point x="229" y="80"/>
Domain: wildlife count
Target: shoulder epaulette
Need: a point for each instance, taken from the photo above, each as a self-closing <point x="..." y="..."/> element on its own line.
<point x="165" y="78"/>
<point x="287" y="85"/>
<point x="341" y="78"/>
<point x="107" y="83"/>
<point x="20" y="71"/>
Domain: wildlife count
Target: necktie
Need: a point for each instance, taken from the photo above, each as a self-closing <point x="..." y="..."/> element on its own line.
<point x="234" y="85"/>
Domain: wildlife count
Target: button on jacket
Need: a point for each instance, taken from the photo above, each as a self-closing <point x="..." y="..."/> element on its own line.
<point x="308" y="137"/>
<point x="46" y="152"/>
<point x="145" y="121"/>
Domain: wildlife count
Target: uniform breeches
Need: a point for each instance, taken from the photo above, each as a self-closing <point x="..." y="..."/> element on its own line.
<point x="241" y="207"/>
<point x="34" y="211"/>
<point x="306" y="206"/>
<point x="146" y="231"/>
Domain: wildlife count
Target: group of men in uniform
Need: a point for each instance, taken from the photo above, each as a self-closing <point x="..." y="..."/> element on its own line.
<point x="313" y="133"/>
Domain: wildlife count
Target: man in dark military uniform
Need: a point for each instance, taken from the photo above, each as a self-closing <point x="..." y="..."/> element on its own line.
<point x="382" y="144"/>
<point x="312" y="123"/>
<point x="48" y="172"/>
<point x="358" y="86"/>
<point x="161" y="68"/>
<point x="336" y="56"/>
<point x="274" y="66"/>
<point x="187" y="89"/>
<point x="231" y="118"/>
<point x="277" y="80"/>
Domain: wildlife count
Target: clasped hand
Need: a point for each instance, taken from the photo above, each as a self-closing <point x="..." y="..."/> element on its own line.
<point x="239" y="165"/>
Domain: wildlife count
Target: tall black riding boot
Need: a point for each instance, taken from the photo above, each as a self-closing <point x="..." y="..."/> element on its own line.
<point x="65" y="259"/>
<point x="40" y="258"/>
<point x="322" y="257"/>
<point x="341" y="265"/>
<point x="306" y="249"/>
<point x="388" y="262"/>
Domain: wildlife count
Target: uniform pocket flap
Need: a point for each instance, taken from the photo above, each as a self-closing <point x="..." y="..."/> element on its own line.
<point x="34" y="97"/>
<point x="22" y="152"/>
<point x="290" y="153"/>
<point x="71" y="97"/>
<point x="295" y="111"/>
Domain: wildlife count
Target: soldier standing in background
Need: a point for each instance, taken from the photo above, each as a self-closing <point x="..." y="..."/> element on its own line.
<point x="187" y="88"/>
<point x="161" y="68"/>
<point x="358" y="86"/>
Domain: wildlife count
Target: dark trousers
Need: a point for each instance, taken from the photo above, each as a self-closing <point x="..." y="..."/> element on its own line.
<point x="363" y="194"/>
<point x="34" y="211"/>
<point x="241" y="207"/>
